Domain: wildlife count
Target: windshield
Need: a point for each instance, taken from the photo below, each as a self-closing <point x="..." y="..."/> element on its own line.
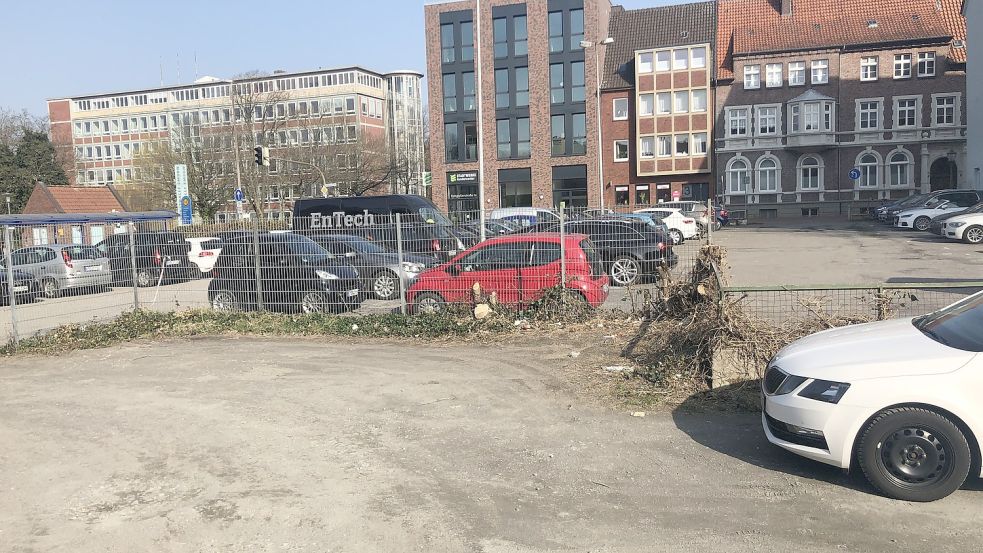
<point x="431" y="215"/>
<point x="958" y="326"/>
<point x="306" y="249"/>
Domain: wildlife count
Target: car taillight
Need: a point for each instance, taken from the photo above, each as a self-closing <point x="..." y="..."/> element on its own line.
<point x="436" y="245"/>
<point x="206" y="253"/>
<point x="158" y="260"/>
<point x="688" y="221"/>
<point x="67" y="258"/>
<point x="662" y="246"/>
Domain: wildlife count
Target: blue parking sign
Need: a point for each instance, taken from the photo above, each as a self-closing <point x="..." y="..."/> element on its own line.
<point x="186" y="210"/>
<point x="854" y="173"/>
<point x="238" y="195"/>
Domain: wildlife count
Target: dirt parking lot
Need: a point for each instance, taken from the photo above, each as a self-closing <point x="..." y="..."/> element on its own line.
<point x="304" y="445"/>
<point x="840" y="252"/>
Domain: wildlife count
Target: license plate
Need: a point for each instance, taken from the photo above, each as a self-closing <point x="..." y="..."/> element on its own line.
<point x="93" y="268"/>
<point x="20" y="288"/>
<point x="174" y="262"/>
<point x="352" y="293"/>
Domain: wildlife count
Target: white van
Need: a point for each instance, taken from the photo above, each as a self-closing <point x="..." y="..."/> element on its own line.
<point x="525" y="216"/>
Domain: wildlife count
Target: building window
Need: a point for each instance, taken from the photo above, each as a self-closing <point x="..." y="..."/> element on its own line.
<point x="926" y="64"/>
<point x="663" y="60"/>
<point x="681" y="103"/>
<point x="810" y="173"/>
<point x="767" y="119"/>
<point x="900" y="167"/>
<point x="470" y="141"/>
<point x="521" y="87"/>
<point x="699" y="103"/>
<point x="557" y="94"/>
<point x="577" y="81"/>
<point x="579" y="133"/>
<point x="621" y="150"/>
<point x="699" y="57"/>
<point x="737" y="119"/>
<point x="447" y="43"/>
<point x="907" y="112"/>
<point x="820" y="71"/>
<point x="620" y="195"/>
<point x="869" y="115"/>
<point x="699" y="143"/>
<point x="682" y="144"/>
<point x="451" y="142"/>
<point x="522" y="144"/>
<point x="663" y="102"/>
<point x="869" y="165"/>
<point x="521" y="45"/>
<point x="468" y="91"/>
<point x="797" y="73"/>
<point x="768" y="174"/>
<point x="576" y="28"/>
<point x="645" y="104"/>
<point x="752" y="76"/>
<point x="646" y="147"/>
<point x="467" y="41"/>
<point x="945" y="110"/>
<point x="620" y="109"/>
<point x="868" y="68"/>
<point x="902" y="66"/>
<point x="501" y="35"/>
<point x="556" y="32"/>
<point x="515" y="186"/>
<point x="504" y="139"/>
<point x="559" y="135"/>
<point x="501" y="88"/>
<point x="665" y="146"/>
<point x="450" y="94"/>
<point x="642" y="195"/>
<point x="811" y="116"/>
<point x="645" y="62"/>
<point x="773" y="75"/>
<point x="738" y="177"/>
<point x="680" y="59"/>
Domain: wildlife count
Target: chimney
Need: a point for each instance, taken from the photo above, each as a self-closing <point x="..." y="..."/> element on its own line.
<point x="786" y="8"/>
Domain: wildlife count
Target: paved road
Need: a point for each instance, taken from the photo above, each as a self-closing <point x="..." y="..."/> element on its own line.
<point x="226" y="445"/>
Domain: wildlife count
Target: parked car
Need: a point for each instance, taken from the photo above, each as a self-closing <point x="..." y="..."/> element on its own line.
<point x="628" y="250"/>
<point x="60" y="268"/>
<point x="681" y="227"/>
<point x="378" y="267"/>
<point x="204" y="252"/>
<point x="898" y="399"/>
<point x="938" y="222"/>
<point x="494" y="227"/>
<point x="646" y="218"/>
<point x="967" y="227"/>
<point x="920" y="218"/>
<point x="525" y="216"/>
<point x="161" y="256"/>
<point x="881" y="213"/>
<point x="295" y="274"/>
<point x="519" y="269"/>
<point x="694" y="210"/>
<point x="26" y="287"/>
<point x="965" y="198"/>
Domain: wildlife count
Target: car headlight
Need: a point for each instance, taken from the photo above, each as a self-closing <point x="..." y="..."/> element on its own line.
<point x="326" y="275"/>
<point x="411" y="267"/>
<point x="790" y="384"/>
<point x="824" y="390"/>
<point x="905" y="215"/>
<point x="956" y="225"/>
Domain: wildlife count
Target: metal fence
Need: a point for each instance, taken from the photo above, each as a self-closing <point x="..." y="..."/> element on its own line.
<point x="337" y="263"/>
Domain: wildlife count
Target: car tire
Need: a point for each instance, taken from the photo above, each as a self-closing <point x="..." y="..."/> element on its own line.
<point x="49" y="287"/>
<point x="914" y="454"/>
<point x="428" y="303"/>
<point x="922" y="224"/>
<point x="624" y="270"/>
<point x="973" y="235"/>
<point x="314" y="303"/>
<point x="225" y="300"/>
<point x="676" y="236"/>
<point x="717" y="226"/>
<point x="385" y="285"/>
<point x="144" y="278"/>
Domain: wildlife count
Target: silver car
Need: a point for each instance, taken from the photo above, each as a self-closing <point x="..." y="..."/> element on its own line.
<point x="63" y="267"/>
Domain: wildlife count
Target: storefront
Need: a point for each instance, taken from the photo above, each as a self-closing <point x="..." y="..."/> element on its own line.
<point x="462" y="195"/>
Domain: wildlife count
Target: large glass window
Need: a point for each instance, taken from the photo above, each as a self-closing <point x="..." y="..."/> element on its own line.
<point x="945" y="110"/>
<point x="902" y="66"/>
<point x="577" y="81"/>
<point x="663" y="60"/>
<point x="810" y="171"/>
<point x="500" y="31"/>
<point x="620" y="109"/>
<point x="576" y="28"/>
<point x="699" y="143"/>
<point x="752" y="76"/>
<point x="557" y="93"/>
<point x="523" y="149"/>
<point x="681" y="102"/>
<point x="447" y="43"/>
<point x="645" y="62"/>
<point x="868" y="171"/>
<point x="504" y="139"/>
<point x="907" y="109"/>
<point x="664" y="143"/>
<point x="870" y="112"/>
<point x="682" y="144"/>
<point x="699" y="103"/>
<point x="767" y="119"/>
<point x="738" y="176"/>
<point x="646" y="147"/>
<point x="467" y="41"/>
<point x="926" y="64"/>
<point x="773" y="75"/>
<point x="868" y="68"/>
<point x="558" y="135"/>
<point x="680" y="59"/>
<point x="645" y="104"/>
<point x="451" y="142"/>
<point x="579" y="133"/>
<point x="556" y="31"/>
<point x="450" y="93"/>
<point x="521" y="86"/>
<point x="820" y="71"/>
<point x="468" y="90"/>
<point x="797" y="73"/>
<point x="621" y="150"/>
<point x="515" y="186"/>
<point x="521" y="45"/>
<point x="471" y="141"/>
<point x="737" y="120"/>
<point x="698" y="57"/>
<point x="502" y="88"/>
<point x="900" y="169"/>
<point x="767" y="175"/>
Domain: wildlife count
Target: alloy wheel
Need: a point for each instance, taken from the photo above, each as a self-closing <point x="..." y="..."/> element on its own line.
<point x="144" y="279"/>
<point x="974" y="235"/>
<point x="676" y="237"/>
<point x="314" y="302"/>
<point x="624" y="271"/>
<point x="50" y="289"/>
<point x="428" y="305"/>
<point x="224" y="301"/>
<point x="922" y="223"/>
<point x="385" y="286"/>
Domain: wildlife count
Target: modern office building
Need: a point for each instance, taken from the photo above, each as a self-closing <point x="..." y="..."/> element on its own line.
<point x="287" y="111"/>
<point x="827" y="106"/>
<point x="657" y="105"/>
<point x="513" y="95"/>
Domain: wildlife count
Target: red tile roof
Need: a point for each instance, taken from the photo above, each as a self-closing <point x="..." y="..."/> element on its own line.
<point x="757" y="26"/>
<point x="84" y="199"/>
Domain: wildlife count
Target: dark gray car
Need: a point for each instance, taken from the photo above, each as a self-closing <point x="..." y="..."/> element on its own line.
<point x="378" y="266"/>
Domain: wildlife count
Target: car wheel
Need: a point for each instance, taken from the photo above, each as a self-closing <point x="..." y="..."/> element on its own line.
<point x="144" y="278"/>
<point x="922" y="224"/>
<point x="914" y="454"/>
<point x="314" y="302"/>
<point x="676" y="236"/>
<point x="973" y="235"/>
<point x="718" y="225"/>
<point x="49" y="287"/>
<point x="385" y="285"/>
<point x="428" y="303"/>
<point x="224" y="300"/>
<point x="624" y="271"/>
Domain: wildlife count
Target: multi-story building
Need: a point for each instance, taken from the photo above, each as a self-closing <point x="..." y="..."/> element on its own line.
<point x="829" y="105"/>
<point x="513" y="102"/>
<point x="656" y="105"/>
<point x="973" y="12"/>
<point x="285" y="111"/>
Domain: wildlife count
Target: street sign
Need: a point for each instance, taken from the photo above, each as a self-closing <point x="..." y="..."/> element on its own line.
<point x="238" y="195"/>
<point x="675" y="194"/>
<point x="324" y="190"/>
<point x="180" y="183"/>
<point x="186" y="210"/>
<point x="854" y="173"/>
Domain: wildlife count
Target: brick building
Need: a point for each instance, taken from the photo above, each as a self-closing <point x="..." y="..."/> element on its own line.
<point x="656" y="105"/>
<point x="515" y="84"/>
<point x="71" y="199"/>
<point x="809" y="90"/>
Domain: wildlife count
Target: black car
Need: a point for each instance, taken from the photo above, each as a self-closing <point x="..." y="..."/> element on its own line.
<point x="378" y="266"/>
<point x="161" y="256"/>
<point x="26" y="287"/>
<point x="295" y="274"/>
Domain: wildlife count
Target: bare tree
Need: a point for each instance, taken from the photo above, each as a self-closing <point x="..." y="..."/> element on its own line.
<point x="14" y="124"/>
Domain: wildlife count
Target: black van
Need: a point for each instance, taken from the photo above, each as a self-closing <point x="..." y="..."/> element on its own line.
<point x="425" y="230"/>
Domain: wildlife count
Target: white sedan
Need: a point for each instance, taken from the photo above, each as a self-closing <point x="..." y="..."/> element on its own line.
<point x="967" y="227"/>
<point x="899" y="398"/>
<point x="921" y="218"/>
<point x="680" y="226"/>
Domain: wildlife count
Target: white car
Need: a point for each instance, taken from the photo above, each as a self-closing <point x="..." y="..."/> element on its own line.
<point x="204" y="252"/>
<point x="681" y="227"/>
<point x="921" y="218"/>
<point x="525" y="216"/>
<point x="899" y="399"/>
<point x="968" y="228"/>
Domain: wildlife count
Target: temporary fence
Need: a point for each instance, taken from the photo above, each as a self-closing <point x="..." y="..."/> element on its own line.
<point x="338" y="263"/>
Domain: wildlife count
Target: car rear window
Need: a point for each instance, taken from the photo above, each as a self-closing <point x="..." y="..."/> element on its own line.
<point x="596" y="267"/>
<point x="81" y="253"/>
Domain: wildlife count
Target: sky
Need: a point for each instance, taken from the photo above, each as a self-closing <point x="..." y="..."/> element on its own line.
<point x="66" y="47"/>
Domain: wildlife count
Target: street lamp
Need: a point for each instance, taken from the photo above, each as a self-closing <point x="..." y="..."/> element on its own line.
<point x="585" y="44"/>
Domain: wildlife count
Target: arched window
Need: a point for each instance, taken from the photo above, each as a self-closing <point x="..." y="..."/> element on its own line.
<point x="869" y="166"/>
<point x="900" y="168"/>
<point x="810" y="173"/>
<point x="738" y="176"/>
<point x="768" y="174"/>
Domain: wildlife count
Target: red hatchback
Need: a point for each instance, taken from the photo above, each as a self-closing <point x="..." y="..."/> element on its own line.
<point x="518" y="268"/>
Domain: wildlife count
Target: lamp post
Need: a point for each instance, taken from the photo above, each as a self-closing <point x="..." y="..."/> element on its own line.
<point x="597" y="77"/>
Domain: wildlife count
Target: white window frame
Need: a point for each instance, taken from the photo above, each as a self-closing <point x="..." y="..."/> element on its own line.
<point x="642" y="140"/>
<point x="680" y="95"/>
<point x="823" y="107"/>
<point x="662" y="65"/>
<point x="642" y="111"/>
<point x="752" y="77"/>
<point x="880" y="114"/>
<point x="758" y="117"/>
<point x="646" y="62"/>
<point x="897" y="110"/>
<point x="614" y="109"/>
<point x="693" y="58"/>
<point x="770" y="71"/>
<point x="662" y="139"/>
<point x="731" y="117"/>
<point x="658" y="103"/>
<point x="680" y="63"/>
<point x="956" y="109"/>
<point x="799" y="69"/>
<point x="902" y="66"/>
<point x="929" y="60"/>
<point x="891" y="165"/>
<point x="864" y="182"/>
<point x="693" y="142"/>
<point x="742" y="185"/>
<point x="627" y="151"/>
<point x="869" y="68"/>
<point x="823" y="67"/>
<point x="778" y="174"/>
<point x="820" y="173"/>
<point x="692" y="102"/>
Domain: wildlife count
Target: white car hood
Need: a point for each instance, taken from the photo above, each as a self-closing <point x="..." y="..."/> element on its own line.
<point x="968" y="218"/>
<point x="875" y="350"/>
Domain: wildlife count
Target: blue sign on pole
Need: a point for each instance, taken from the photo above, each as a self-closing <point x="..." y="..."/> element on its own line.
<point x="186" y="210"/>
<point x="238" y="195"/>
<point x="854" y="173"/>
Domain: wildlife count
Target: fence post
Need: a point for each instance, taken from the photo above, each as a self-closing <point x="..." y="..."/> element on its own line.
<point x="256" y="269"/>
<point x="711" y="220"/>
<point x="8" y="249"/>
<point x="133" y="265"/>
<point x="563" y="252"/>
<point x="399" y="259"/>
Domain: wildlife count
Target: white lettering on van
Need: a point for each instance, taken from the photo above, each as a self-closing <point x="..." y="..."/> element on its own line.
<point x="339" y="219"/>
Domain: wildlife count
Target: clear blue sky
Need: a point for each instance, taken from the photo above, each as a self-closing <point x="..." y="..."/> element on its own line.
<point x="55" y="48"/>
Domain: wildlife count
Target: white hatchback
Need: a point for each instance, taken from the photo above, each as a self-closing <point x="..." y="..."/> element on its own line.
<point x="680" y="226"/>
<point x="968" y="228"/>
<point x="921" y="218"/>
<point x="899" y="398"/>
<point x="204" y="252"/>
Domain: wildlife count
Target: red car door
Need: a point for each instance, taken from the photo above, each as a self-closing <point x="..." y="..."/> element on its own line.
<point x="496" y="268"/>
<point x="542" y="272"/>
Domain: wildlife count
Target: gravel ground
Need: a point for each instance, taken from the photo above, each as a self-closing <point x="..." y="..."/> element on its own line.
<point x="254" y="444"/>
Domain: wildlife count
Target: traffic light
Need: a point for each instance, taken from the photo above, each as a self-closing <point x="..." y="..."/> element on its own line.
<point x="262" y="156"/>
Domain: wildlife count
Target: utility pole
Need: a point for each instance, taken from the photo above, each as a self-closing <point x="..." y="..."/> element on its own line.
<point x="597" y="107"/>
